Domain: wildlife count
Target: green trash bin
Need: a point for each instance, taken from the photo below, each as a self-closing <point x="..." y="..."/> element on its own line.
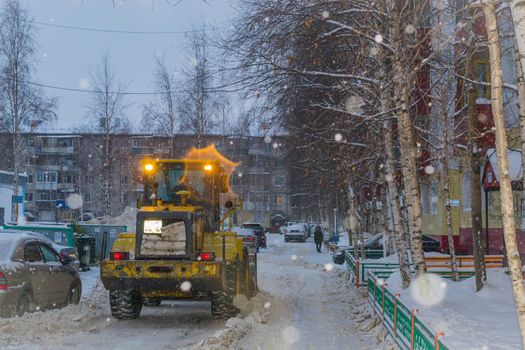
<point x="86" y="251"/>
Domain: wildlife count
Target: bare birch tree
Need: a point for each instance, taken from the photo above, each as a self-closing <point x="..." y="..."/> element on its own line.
<point x="106" y="109"/>
<point x="23" y="107"/>
<point x="161" y="117"/>
<point x="507" y="204"/>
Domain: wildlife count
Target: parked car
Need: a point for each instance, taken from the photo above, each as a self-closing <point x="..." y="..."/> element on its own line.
<point x="376" y="243"/>
<point x="339" y="256"/>
<point x="295" y="233"/>
<point x="249" y="237"/>
<point x="259" y="230"/>
<point x="64" y="251"/>
<point x="33" y="275"/>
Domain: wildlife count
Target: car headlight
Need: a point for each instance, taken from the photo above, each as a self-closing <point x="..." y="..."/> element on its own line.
<point x="152" y="226"/>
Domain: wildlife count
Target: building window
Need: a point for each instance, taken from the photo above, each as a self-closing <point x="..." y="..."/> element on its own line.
<point x="482" y="76"/>
<point x="68" y="179"/>
<point x="28" y="197"/>
<point x="87" y="197"/>
<point x="435" y="197"/>
<point x="425" y="198"/>
<point x="47" y="196"/>
<point x="467" y="192"/>
<point x="278" y="181"/>
<point x="46" y="176"/>
<point x="30" y="179"/>
<point x="279" y="200"/>
<point x="124" y="180"/>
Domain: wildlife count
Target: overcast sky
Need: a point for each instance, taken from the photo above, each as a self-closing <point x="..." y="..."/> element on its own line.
<point x="66" y="56"/>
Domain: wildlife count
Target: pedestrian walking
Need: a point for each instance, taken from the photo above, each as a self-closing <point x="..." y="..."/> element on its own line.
<point x="318" y="238"/>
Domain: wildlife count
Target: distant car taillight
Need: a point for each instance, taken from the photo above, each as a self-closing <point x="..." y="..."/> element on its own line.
<point x="119" y="256"/>
<point x="3" y="281"/>
<point x="206" y="256"/>
<point x="249" y="238"/>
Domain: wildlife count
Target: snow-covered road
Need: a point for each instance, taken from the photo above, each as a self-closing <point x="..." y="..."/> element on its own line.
<point x="304" y="303"/>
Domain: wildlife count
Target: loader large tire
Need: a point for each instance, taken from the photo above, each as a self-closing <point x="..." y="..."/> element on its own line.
<point x="222" y="300"/>
<point x="125" y="304"/>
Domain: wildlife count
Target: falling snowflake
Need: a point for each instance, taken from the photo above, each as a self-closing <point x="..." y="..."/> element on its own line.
<point x="275" y="145"/>
<point x="291" y="335"/>
<point x="326" y="14"/>
<point x="185" y="286"/>
<point x="267" y="19"/>
<point x="84" y="83"/>
<point x="293" y="257"/>
<point x="429" y="170"/>
<point x="378" y="38"/>
<point x="268" y="139"/>
<point x="74" y="201"/>
<point x="239" y="174"/>
<point x="329" y="267"/>
<point x="427" y="289"/>
<point x="482" y="118"/>
<point x="338" y="137"/>
<point x="410" y="29"/>
<point x="267" y="305"/>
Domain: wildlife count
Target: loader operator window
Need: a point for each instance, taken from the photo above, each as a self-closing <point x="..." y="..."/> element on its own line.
<point x="173" y="178"/>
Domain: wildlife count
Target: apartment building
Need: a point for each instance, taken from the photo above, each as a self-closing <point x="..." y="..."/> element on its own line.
<point x="58" y="165"/>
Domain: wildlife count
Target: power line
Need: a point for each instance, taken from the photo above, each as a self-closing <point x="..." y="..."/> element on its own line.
<point x="116" y="31"/>
<point x="54" y="87"/>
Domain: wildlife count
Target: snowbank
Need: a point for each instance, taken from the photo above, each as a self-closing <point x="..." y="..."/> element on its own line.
<point x="483" y="320"/>
<point x="253" y="313"/>
<point x="53" y="327"/>
<point x="127" y="218"/>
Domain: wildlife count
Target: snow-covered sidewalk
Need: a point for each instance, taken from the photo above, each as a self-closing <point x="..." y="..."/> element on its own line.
<point x="471" y="321"/>
<point x="309" y="303"/>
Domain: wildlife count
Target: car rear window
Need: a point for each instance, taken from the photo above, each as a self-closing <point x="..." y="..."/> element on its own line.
<point x="252" y="226"/>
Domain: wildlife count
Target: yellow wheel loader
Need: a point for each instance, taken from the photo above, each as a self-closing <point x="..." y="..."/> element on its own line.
<point x="180" y="249"/>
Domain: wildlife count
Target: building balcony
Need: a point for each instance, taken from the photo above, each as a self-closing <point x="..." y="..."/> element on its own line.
<point x="46" y="186"/>
<point x="65" y="187"/>
<point x="56" y="150"/>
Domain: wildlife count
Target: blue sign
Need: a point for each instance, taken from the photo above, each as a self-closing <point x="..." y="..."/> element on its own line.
<point x="60" y="204"/>
<point x="17" y="199"/>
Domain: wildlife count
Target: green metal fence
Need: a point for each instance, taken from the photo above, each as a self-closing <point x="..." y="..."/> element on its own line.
<point x="402" y="323"/>
<point x="359" y="270"/>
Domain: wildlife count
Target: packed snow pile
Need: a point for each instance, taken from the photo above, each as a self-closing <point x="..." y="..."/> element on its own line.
<point x="253" y="312"/>
<point x="127" y="218"/>
<point x="54" y="326"/>
<point x="470" y="320"/>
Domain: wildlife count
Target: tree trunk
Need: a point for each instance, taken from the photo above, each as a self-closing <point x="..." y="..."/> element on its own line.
<point x="404" y="264"/>
<point x="474" y="164"/>
<point x="353" y="221"/>
<point x="448" y="215"/>
<point x="507" y="204"/>
<point x="107" y="175"/>
<point x="16" y="180"/>
<point x="446" y="182"/>
<point x="409" y="170"/>
<point x="521" y="99"/>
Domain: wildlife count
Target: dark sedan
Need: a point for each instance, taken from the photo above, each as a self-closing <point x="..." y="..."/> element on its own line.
<point x="259" y="230"/>
<point x="33" y="276"/>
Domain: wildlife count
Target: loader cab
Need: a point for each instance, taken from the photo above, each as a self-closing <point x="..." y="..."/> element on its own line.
<point x="181" y="203"/>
